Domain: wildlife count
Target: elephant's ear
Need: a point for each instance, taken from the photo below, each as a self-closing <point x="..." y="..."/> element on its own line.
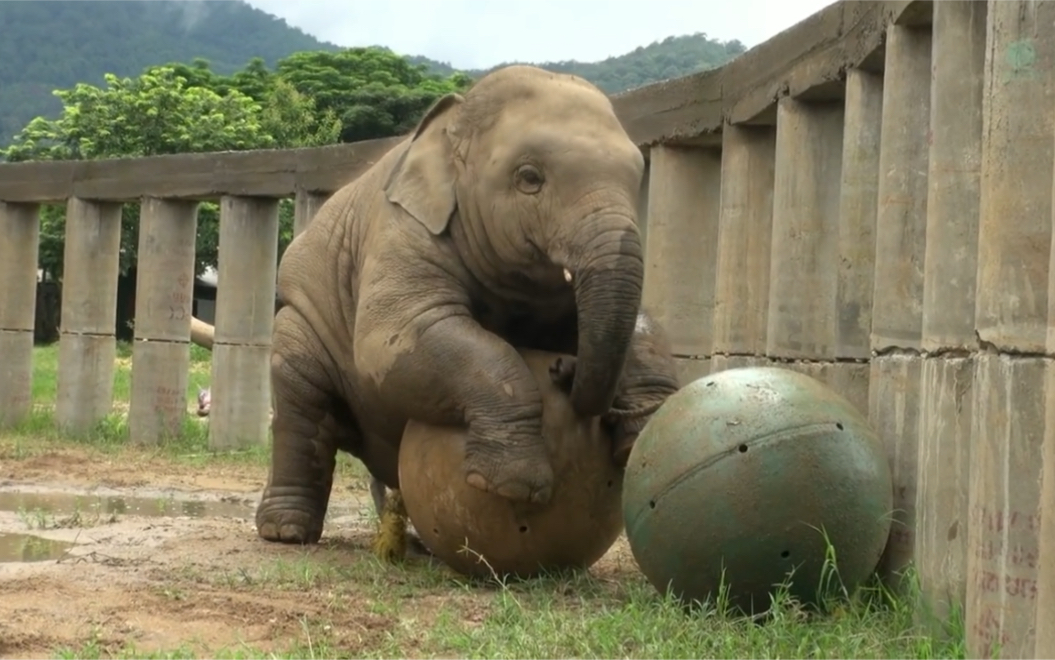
<point x="423" y="179"/>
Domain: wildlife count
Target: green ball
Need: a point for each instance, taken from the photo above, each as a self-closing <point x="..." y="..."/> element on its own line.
<point x="758" y="471"/>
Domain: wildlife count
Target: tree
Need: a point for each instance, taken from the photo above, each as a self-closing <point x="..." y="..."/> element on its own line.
<point x="163" y="112"/>
<point x="373" y="91"/>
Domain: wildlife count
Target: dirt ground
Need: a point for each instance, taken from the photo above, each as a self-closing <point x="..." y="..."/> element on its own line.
<point x="193" y="571"/>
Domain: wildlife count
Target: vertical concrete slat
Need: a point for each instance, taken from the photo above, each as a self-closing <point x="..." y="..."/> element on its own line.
<point x="803" y="277"/>
<point x="87" y="347"/>
<point x="897" y="293"/>
<point x="245" y="314"/>
<point x="1011" y="318"/>
<point x="1045" y="580"/>
<point x="164" y="296"/>
<point x="897" y="299"/>
<point x="859" y="193"/>
<point x="950" y="265"/>
<point x="684" y="190"/>
<point x="745" y="225"/>
<point x="1007" y="433"/>
<point x="1014" y="230"/>
<point x="20" y="231"/>
<point x="306" y="204"/>
<point x="642" y="205"/>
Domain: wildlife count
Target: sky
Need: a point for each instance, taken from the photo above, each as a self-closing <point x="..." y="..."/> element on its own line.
<point x="476" y="34"/>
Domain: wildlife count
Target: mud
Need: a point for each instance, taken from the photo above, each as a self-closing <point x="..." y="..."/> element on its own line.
<point x="103" y="554"/>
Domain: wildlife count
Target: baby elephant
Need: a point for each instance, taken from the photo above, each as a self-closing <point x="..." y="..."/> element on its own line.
<point x="507" y="219"/>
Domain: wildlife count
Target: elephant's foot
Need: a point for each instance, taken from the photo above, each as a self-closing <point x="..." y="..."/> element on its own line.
<point x="289" y="515"/>
<point x="519" y="473"/>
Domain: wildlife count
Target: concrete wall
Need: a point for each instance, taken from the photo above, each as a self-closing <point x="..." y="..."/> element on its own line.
<point x="866" y="197"/>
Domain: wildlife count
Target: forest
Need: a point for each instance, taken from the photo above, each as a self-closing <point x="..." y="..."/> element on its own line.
<point x="55" y="45"/>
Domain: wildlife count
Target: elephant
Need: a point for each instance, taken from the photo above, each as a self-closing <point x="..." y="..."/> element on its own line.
<point x="508" y="218"/>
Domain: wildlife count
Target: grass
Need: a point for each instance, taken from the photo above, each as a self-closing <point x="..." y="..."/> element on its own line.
<point x="417" y="610"/>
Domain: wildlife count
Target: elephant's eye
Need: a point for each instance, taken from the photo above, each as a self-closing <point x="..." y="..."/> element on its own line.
<point x="528" y="179"/>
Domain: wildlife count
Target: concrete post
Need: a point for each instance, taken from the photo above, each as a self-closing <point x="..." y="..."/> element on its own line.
<point x="897" y="299"/>
<point x="745" y="225"/>
<point x="164" y="296"/>
<point x="859" y="194"/>
<point x="245" y="314"/>
<point x="20" y="227"/>
<point x="87" y="347"/>
<point x="1012" y="308"/>
<point x="642" y="206"/>
<point x="684" y="189"/>
<point x="804" y="251"/>
<point x="306" y="205"/>
<point x="958" y="58"/>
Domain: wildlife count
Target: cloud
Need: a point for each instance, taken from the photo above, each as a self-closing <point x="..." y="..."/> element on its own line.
<point x="474" y="34"/>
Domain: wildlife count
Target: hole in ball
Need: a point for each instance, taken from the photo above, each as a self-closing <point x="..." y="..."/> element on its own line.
<point x="610" y="482"/>
<point x="435" y="531"/>
<point x="652" y="504"/>
<point x="839" y="425"/>
<point x="785" y="554"/>
<point x="711" y="384"/>
<point x="523" y="529"/>
<point x="743" y="449"/>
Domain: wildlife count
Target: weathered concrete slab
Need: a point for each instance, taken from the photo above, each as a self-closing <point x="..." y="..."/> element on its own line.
<point x="1014" y="241"/>
<point x="953" y="179"/>
<point x="85" y="387"/>
<point x="946" y="398"/>
<point x="1007" y="436"/>
<point x="165" y="270"/>
<point x="90" y="267"/>
<point x="893" y="410"/>
<point x="850" y="379"/>
<point x="857" y="213"/>
<point x="683" y="244"/>
<point x="897" y="304"/>
<point x="245" y="314"/>
<point x="306" y="206"/>
<point x="1045" y="642"/>
<point x="158" y="404"/>
<point x="741" y="296"/>
<point x="803" y="271"/>
<point x="642" y="206"/>
<point x="691" y="369"/>
<point x="241" y="397"/>
<point x="723" y="362"/>
<point x="20" y="227"/>
<point x="16" y="376"/>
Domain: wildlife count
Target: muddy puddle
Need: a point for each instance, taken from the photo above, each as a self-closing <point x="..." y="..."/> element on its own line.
<point x="39" y="508"/>
<point x="29" y="548"/>
<point x="85" y="504"/>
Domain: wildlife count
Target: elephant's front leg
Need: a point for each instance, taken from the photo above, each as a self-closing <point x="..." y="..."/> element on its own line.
<point x="649" y="377"/>
<point x="304" y="439"/>
<point x="451" y="371"/>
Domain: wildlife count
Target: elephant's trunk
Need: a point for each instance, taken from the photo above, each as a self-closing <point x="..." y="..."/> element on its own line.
<point x="607" y="272"/>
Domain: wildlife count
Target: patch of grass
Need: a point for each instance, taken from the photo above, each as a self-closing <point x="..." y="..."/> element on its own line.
<point x="46" y="372"/>
<point x="423" y="610"/>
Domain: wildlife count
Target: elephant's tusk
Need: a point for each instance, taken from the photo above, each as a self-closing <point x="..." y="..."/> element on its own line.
<point x="567" y="276"/>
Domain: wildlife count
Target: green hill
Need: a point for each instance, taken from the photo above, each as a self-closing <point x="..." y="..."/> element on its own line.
<point x="50" y="45"/>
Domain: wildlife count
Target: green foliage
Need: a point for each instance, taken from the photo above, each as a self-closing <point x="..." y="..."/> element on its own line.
<point x="55" y="45"/>
<point x="375" y="92"/>
<point x="163" y="112"/>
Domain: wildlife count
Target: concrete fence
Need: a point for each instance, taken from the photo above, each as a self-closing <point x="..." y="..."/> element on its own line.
<point x="866" y="197"/>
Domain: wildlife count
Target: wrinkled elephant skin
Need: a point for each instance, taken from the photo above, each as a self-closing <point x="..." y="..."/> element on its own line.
<point x="508" y="219"/>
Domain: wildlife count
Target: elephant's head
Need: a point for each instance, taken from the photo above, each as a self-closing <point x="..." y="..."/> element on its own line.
<point x="538" y="183"/>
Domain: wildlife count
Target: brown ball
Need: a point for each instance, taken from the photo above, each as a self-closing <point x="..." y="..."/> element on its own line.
<point x="573" y="530"/>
